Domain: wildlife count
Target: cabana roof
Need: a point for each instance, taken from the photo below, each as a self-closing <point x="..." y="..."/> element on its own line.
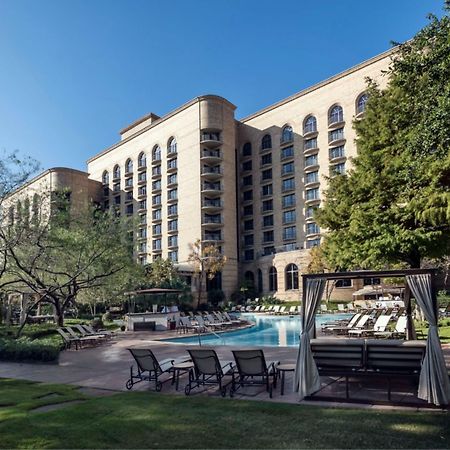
<point x="368" y="274"/>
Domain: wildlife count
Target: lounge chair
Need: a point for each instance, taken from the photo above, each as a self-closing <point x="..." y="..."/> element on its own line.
<point x="91" y="330"/>
<point x="149" y="368"/>
<point x="379" y="326"/>
<point x="341" y="324"/>
<point x="343" y="329"/>
<point x="341" y="307"/>
<point x="85" y="333"/>
<point x="233" y="321"/>
<point x="293" y="310"/>
<point x="323" y="308"/>
<point x="93" y="339"/>
<point x="263" y="308"/>
<point x="399" y="331"/>
<point x="253" y="370"/>
<point x="276" y="309"/>
<point x="282" y="310"/>
<point x="208" y="370"/>
<point x="185" y="324"/>
<point x="361" y="324"/>
<point x="68" y="339"/>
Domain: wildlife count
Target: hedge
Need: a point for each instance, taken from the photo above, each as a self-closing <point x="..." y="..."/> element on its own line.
<point x="25" y="349"/>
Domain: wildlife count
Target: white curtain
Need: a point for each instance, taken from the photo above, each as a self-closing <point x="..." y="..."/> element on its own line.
<point x="307" y="380"/>
<point x="434" y="386"/>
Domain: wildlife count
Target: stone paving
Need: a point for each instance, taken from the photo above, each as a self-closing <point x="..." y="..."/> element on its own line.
<point x="106" y="368"/>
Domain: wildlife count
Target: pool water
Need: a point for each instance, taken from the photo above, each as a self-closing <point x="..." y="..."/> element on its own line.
<point x="269" y="331"/>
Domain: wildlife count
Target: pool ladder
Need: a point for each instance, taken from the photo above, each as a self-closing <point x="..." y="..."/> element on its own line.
<point x="212" y="332"/>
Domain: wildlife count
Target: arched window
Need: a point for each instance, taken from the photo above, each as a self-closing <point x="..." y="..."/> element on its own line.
<point x="128" y="166"/>
<point x="156" y="153"/>
<point x="142" y="160"/>
<point x="361" y="103"/>
<point x="116" y="171"/>
<point x="105" y="177"/>
<point x="247" y="149"/>
<point x="291" y="274"/>
<point x="310" y="125"/>
<point x="287" y="135"/>
<point x="273" y="279"/>
<point x="266" y="141"/>
<point x="172" y="146"/>
<point x="336" y="115"/>
<point x="260" y="281"/>
<point x="249" y="279"/>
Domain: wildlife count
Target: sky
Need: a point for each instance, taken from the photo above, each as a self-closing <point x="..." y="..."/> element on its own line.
<point x="73" y="73"/>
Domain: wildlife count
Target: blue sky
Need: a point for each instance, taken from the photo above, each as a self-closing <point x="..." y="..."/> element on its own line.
<point x="75" y="72"/>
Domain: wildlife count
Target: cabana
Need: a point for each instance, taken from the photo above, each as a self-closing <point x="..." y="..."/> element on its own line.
<point x="434" y="386"/>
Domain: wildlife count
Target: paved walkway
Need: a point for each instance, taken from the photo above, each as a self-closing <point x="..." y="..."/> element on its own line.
<point x="107" y="367"/>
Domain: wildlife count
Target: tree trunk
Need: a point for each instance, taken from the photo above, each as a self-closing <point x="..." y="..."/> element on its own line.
<point x="58" y="314"/>
<point x="200" y="288"/>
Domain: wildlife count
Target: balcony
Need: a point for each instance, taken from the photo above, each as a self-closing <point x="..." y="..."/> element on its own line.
<point x="156" y="204"/>
<point x="211" y="156"/>
<point x="336" y="124"/>
<point x="172" y="230"/>
<point x="265" y="149"/>
<point x="156" y="219"/>
<point x="212" y="173"/>
<point x="336" y="137"/>
<point x="142" y="195"/>
<point x="211" y="204"/>
<point x="156" y="173"/>
<point x="311" y="164"/>
<point x="128" y="174"/>
<point x="212" y="222"/>
<point x="156" y="160"/>
<point x="211" y="188"/>
<point x="156" y="188"/>
<point x="142" y="166"/>
<point x="336" y="154"/>
<point x="309" y="133"/>
<point x="172" y="199"/>
<point x="210" y="139"/>
<point x="172" y="182"/>
<point x="142" y="179"/>
<point x="128" y="187"/>
<point x="212" y="237"/>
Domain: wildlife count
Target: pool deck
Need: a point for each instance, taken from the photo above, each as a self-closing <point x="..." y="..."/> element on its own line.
<point x="105" y="368"/>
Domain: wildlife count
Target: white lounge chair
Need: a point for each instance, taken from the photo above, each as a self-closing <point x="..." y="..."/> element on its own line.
<point x="379" y="326"/>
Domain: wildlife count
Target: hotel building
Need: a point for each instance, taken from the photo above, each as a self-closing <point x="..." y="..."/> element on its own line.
<point x="250" y="185"/>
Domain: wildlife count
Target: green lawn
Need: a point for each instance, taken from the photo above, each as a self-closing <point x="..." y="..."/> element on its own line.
<point x="150" y="420"/>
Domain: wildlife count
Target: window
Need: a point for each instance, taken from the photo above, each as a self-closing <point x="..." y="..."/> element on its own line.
<point x="268" y="221"/>
<point x="343" y="283"/>
<point x="172" y="241"/>
<point x="156" y="199"/>
<point x="287" y="134"/>
<point x="129" y="196"/>
<point x="247" y="195"/>
<point x="289" y="216"/>
<point x="266" y="142"/>
<point x="173" y="256"/>
<point x="143" y="219"/>
<point x="312" y="194"/>
<point x="248" y="225"/>
<point x="117" y="200"/>
<point x="289" y="233"/>
<point x="142" y="176"/>
<point x="105" y="177"/>
<point x="143" y="204"/>
<point x="173" y="225"/>
<point x="129" y="166"/>
<point x="171" y="146"/>
<point x="142" y="160"/>
<point x="249" y="255"/>
<point x="172" y="210"/>
<point x="336" y="135"/>
<point x="156" y="153"/>
<point x="266" y="190"/>
<point x="248" y="210"/>
<point x="268" y="250"/>
<point x="273" y="279"/>
<point x="129" y="209"/>
<point x="337" y="169"/>
<point x="287" y="168"/>
<point x="248" y="240"/>
<point x="156" y="229"/>
<point x="172" y="179"/>
<point x="310" y="125"/>
<point x="312" y="177"/>
<point x="311" y="160"/>
<point x="156" y="185"/>
<point x="310" y="143"/>
<point x="266" y="175"/>
<point x="247" y="149"/>
<point x="172" y="164"/>
<point x="309" y="212"/>
<point x="371" y="281"/>
<point x="312" y="228"/>
<point x="268" y="236"/>
<point x="335" y="115"/>
<point x="156" y="215"/>
<point x="337" y="152"/>
<point x="267" y="205"/>
<point x="156" y="245"/>
<point x="260" y="281"/>
<point x="129" y="182"/>
<point x="288" y="200"/>
<point x="247" y="165"/>
<point x="288" y="184"/>
<point x="291" y="274"/>
<point x="142" y="247"/>
<point x="116" y="187"/>
<point x="116" y="172"/>
<point x="313" y="243"/>
<point x="172" y="194"/>
<point x="266" y="159"/>
<point x="247" y="181"/>
<point x="156" y="170"/>
<point x="105" y="192"/>
<point x="361" y="103"/>
<point x="287" y="152"/>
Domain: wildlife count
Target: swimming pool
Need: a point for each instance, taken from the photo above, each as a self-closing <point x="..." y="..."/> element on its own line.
<point x="269" y="331"/>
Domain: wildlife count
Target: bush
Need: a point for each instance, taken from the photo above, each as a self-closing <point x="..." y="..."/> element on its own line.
<point x="107" y="317"/>
<point x="215" y="296"/>
<point x="97" y="324"/>
<point x="25" y="349"/>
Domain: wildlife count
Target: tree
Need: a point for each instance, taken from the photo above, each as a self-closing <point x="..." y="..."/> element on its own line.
<point x="319" y="264"/>
<point x="68" y="253"/>
<point x="162" y="273"/>
<point x="207" y="261"/>
<point x="393" y="207"/>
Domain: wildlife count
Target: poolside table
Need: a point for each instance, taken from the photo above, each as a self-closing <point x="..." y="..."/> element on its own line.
<point x="179" y="369"/>
<point x="281" y="371"/>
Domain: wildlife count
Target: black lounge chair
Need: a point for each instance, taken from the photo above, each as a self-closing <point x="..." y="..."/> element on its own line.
<point x="253" y="370"/>
<point x="149" y="368"/>
<point x="208" y="370"/>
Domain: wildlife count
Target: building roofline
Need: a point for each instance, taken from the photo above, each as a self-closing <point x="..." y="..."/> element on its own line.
<point x="161" y="120"/>
<point x="138" y="121"/>
<point x="323" y="83"/>
<point x="42" y="175"/>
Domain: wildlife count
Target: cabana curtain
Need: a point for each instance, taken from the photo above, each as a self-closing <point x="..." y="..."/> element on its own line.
<point x="307" y="380"/>
<point x="434" y="386"/>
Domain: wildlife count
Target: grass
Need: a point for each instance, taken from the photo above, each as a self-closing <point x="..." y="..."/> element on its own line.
<point x="150" y="420"/>
<point x="444" y="330"/>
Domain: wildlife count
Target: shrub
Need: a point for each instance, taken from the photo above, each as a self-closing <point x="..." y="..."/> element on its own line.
<point x="25" y="349"/>
<point x="97" y="324"/>
<point x="107" y="317"/>
<point x="215" y="296"/>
